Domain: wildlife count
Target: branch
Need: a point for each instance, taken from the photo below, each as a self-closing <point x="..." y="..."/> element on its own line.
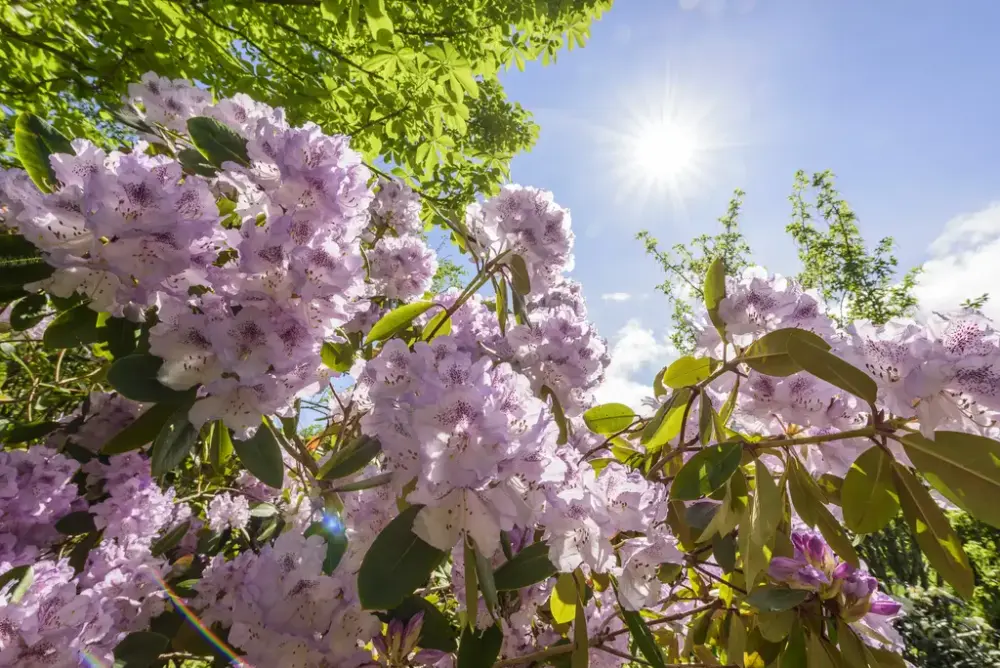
<point x="264" y="54"/>
<point x="379" y="121"/>
<point x="324" y="48"/>
<point x="24" y="39"/>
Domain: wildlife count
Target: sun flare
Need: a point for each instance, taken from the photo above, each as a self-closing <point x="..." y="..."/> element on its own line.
<point x="664" y="150"/>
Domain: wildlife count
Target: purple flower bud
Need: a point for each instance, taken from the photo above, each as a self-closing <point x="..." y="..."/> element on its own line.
<point x="884" y="605"/>
<point x="843" y="571"/>
<point x="412" y="632"/>
<point x="816" y="551"/>
<point x="784" y="568"/>
<point x="395" y="636"/>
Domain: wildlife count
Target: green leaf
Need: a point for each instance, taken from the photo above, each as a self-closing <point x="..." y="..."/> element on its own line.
<point x="464" y="77"/>
<point x="653" y="424"/>
<point x="644" y="640"/>
<point x="529" y="566"/>
<point x="688" y="371"/>
<point x="724" y="550"/>
<point x="76" y="523"/>
<point x="35" y="141"/>
<point x="769" y="598"/>
<point x="479" y="648"/>
<point x="22" y="577"/>
<point x="143" y="429"/>
<point x="885" y="658"/>
<point x="77" y="326"/>
<point x="28" y="312"/>
<point x="119" y="334"/>
<point x="471" y="587"/>
<point x="580" y="656"/>
<point x="193" y="162"/>
<point x="22" y="433"/>
<point x="170" y="539"/>
<point x="365" y="483"/>
<point x="666" y="425"/>
<point x="520" y="279"/>
<point x="609" y="418"/>
<point x="809" y="503"/>
<point x="172" y="445"/>
<point x="562" y="603"/>
<point x="827" y="366"/>
<point x="396" y="320"/>
<point x="438" y="325"/>
<point x="377" y="18"/>
<point x="557" y="414"/>
<point x="217" y="142"/>
<point x="963" y="467"/>
<point x="715" y="291"/>
<point x="707" y="471"/>
<point x="770" y="356"/>
<point x="764" y="514"/>
<point x="140" y="649"/>
<point x="775" y="626"/>
<point x="261" y="455"/>
<point x="263" y="509"/>
<point x="338" y="356"/>
<point x="331" y="528"/>
<point x="220" y="449"/>
<point x="357" y="455"/>
<point x="867" y="496"/>
<point x="484" y="573"/>
<point x="794" y="653"/>
<point x="396" y="564"/>
<point x="706" y="419"/>
<point x="436" y="632"/>
<point x="851" y="646"/>
<point x="20" y="262"/>
<point x="821" y="653"/>
<point x="736" y="641"/>
<point x="134" y="377"/>
<point x="936" y="538"/>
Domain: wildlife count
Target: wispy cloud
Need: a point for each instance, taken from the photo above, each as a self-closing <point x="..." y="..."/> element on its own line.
<point x="616" y="296"/>
<point x="964" y="263"/>
<point x="635" y="350"/>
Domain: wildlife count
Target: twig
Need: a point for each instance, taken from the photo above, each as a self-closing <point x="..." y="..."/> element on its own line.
<point x="324" y="48"/>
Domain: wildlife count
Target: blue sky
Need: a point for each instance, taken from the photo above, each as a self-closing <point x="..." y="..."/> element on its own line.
<point x="898" y="97"/>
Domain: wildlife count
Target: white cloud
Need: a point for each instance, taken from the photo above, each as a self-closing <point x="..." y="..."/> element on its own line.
<point x="964" y="263"/>
<point x="616" y="296"/>
<point x="635" y="350"/>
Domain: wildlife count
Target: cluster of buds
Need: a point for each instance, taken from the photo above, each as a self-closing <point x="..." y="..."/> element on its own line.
<point x="814" y="567"/>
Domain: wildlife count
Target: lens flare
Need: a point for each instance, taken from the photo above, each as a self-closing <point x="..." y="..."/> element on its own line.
<point x="192" y="618"/>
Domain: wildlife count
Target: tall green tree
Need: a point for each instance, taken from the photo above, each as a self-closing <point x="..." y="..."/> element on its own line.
<point x="415" y="84"/>
<point x="685" y="265"/>
<point x="856" y="282"/>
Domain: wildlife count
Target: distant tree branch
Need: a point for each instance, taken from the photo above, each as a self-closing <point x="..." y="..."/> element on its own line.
<point x="242" y="35"/>
<point x="324" y="48"/>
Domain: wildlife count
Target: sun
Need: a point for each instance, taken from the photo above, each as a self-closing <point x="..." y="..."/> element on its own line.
<point x="663" y="150"/>
<point x="665" y="144"/>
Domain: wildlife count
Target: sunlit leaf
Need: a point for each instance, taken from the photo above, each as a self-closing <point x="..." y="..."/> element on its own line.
<point x="396" y="320"/>
<point x="261" y="455"/>
<point x="964" y="467"/>
<point x="937" y="540"/>
<point x="770" y="356"/>
<point x="396" y="564"/>
<point x="706" y="472"/>
<point x="868" y="497"/>
<point x="609" y="418"/>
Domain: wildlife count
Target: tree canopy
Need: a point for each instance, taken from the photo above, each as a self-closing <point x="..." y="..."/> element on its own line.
<point x="414" y="83"/>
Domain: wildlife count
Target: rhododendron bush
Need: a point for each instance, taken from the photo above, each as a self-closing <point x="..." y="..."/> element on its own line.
<point x="462" y="500"/>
